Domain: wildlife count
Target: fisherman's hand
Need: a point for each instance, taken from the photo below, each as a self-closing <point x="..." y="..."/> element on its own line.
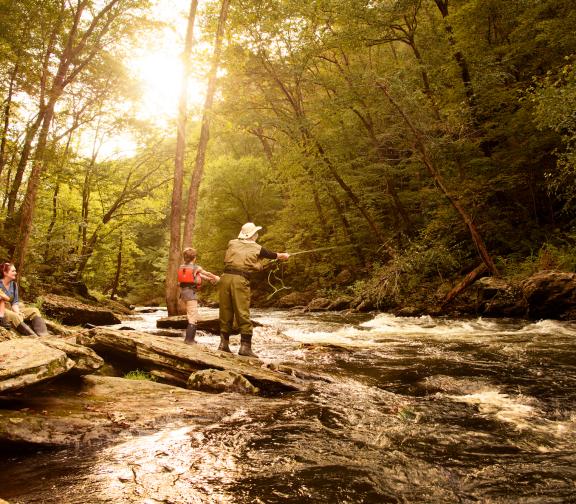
<point x="283" y="256"/>
<point x="216" y="279"/>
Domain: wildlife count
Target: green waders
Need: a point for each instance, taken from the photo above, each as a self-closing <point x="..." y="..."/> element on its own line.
<point x="234" y="300"/>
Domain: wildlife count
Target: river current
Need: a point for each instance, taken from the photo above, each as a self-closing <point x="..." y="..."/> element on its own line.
<point x="416" y="410"/>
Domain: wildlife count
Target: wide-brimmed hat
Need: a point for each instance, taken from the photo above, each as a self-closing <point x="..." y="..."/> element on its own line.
<point x="248" y="230"/>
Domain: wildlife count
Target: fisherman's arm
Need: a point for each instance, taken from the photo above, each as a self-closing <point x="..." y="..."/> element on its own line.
<point x="267" y="254"/>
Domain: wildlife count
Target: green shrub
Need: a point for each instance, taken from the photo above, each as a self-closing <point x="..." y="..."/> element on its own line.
<point x="138" y="374"/>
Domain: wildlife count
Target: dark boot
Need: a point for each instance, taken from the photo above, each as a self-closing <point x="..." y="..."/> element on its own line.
<point x="25" y="330"/>
<point x="4" y="323"/>
<point x="190" y="334"/>
<point x="39" y="326"/>
<point x="225" y="343"/>
<point x="246" y="346"/>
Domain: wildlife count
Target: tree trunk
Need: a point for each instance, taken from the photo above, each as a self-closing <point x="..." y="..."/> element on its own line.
<point x="459" y="57"/>
<point x="427" y="160"/>
<point x="24" y="158"/>
<point x="468" y="280"/>
<point x="116" y="281"/>
<point x="198" y="172"/>
<point x="176" y="208"/>
<point x="7" y="112"/>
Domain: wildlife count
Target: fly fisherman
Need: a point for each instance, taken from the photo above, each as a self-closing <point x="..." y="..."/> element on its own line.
<point x="243" y="257"/>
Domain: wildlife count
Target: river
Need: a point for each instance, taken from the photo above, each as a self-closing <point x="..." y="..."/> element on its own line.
<point x="418" y="410"/>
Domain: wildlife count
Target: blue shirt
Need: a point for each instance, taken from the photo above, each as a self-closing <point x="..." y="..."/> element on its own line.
<point x="11" y="291"/>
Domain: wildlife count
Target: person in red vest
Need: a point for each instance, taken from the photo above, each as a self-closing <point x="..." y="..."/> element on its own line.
<point x="190" y="277"/>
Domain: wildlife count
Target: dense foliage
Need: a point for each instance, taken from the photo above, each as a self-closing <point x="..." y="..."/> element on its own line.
<point x="418" y="137"/>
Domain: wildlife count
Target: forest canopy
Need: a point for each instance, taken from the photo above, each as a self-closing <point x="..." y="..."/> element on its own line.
<point x="419" y="138"/>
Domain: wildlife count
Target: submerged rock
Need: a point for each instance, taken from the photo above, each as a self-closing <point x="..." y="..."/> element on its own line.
<point x="27" y="361"/>
<point x="106" y="409"/>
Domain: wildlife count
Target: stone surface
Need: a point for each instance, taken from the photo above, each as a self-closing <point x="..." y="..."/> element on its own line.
<point x="70" y="311"/>
<point x="156" y="353"/>
<point x="27" y="361"/>
<point x="86" y="360"/>
<point x="340" y="303"/>
<point x="213" y="380"/>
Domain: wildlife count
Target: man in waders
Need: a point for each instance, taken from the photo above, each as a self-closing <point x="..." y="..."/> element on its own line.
<point x="243" y="257"/>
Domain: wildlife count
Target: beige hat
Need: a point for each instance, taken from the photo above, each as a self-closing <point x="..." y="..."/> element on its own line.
<point x="248" y="230"/>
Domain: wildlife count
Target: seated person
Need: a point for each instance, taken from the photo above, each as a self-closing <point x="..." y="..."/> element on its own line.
<point x="12" y="311"/>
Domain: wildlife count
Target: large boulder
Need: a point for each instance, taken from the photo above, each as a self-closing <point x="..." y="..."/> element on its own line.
<point x="551" y="294"/>
<point x="497" y="298"/>
<point x="295" y="299"/>
<point x="176" y="360"/>
<point x="213" y="380"/>
<point x="27" y="361"/>
<point x="70" y="311"/>
<point x="319" y="304"/>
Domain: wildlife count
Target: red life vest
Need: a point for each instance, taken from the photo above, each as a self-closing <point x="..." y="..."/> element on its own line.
<point x="190" y="274"/>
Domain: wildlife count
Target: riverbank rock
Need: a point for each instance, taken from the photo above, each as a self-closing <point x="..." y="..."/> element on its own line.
<point x="295" y="299"/>
<point x="27" y="361"/>
<point x="498" y="298"/>
<point x="176" y="360"/>
<point x="212" y="380"/>
<point x="319" y="304"/>
<point x="551" y="294"/>
<point x="70" y="311"/>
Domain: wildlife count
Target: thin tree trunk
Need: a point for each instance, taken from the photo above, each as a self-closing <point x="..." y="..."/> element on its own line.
<point x="176" y="208"/>
<point x="7" y="111"/>
<point x="427" y="160"/>
<point x="116" y="281"/>
<point x="24" y="158"/>
<point x="459" y="57"/>
<point x="198" y="172"/>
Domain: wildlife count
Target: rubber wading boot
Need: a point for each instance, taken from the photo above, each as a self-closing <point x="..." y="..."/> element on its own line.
<point x="25" y="330"/>
<point x="39" y="326"/>
<point x="246" y="346"/>
<point x="225" y="343"/>
<point x="4" y="323"/>
<point x="190" y="334"/>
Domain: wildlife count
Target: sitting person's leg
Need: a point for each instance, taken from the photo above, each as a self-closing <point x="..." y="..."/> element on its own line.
<point x="16" y="320"/>
<point x="34" y="319"/>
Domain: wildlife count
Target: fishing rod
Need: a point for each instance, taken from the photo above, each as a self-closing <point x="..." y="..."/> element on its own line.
<point x="320" y="249"/>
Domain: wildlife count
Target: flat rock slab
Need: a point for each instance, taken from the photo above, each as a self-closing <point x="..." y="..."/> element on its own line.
<point x="178" y="360"/>
<point x="24" y="362"/>
<point x="210" y="325"/>
<point x="70" y="311"/>
<point x="86" y="360"/>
